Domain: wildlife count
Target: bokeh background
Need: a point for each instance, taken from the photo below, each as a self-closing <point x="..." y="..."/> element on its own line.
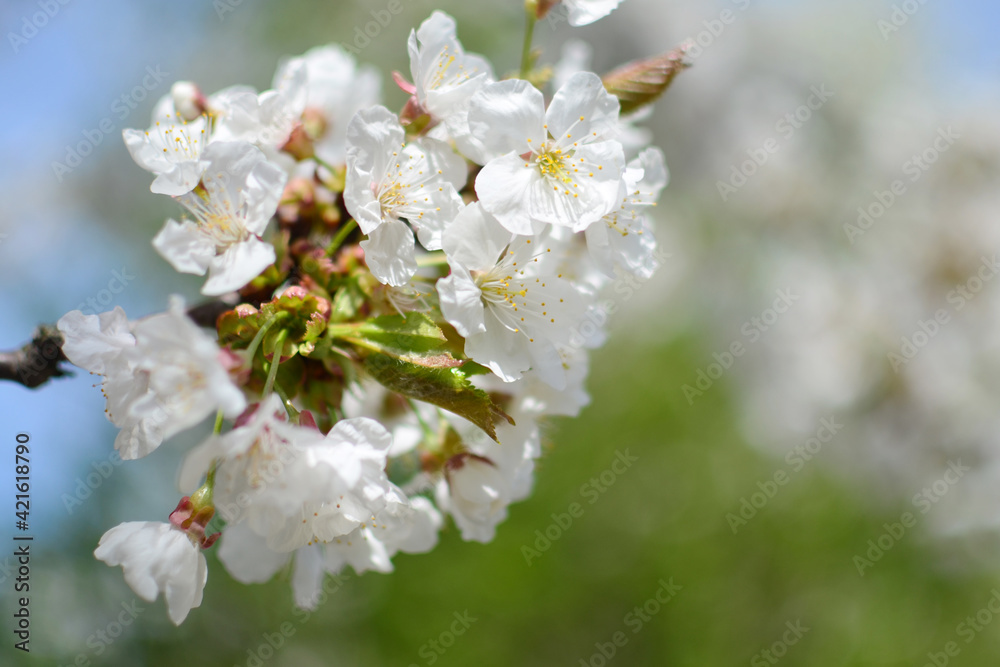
<point x="791" y="559"/>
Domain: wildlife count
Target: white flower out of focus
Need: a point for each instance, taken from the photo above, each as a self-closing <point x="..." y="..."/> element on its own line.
<point x="157" y="558"/>
<point x="585" y="12"/>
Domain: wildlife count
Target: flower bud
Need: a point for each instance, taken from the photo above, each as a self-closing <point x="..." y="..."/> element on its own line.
<point x="639" y="83"/>
<point x="189" y="102"/>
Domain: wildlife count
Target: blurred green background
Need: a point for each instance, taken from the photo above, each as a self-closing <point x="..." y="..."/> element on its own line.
<point x="665" y="518"/>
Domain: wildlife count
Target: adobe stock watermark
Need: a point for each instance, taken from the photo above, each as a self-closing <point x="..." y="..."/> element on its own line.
<point x="959" y="297"/>
<point x="914" y="168"/>
<point x="786" y="127"/>
<point x="271" y="642"/>
<point x="968" y="629"/>
<point x="901" y="14"/>
<point x="591" y="490"/>
<point x="121" y="107"/>
<point x="85" y="486"/>
<point x="752" y="330"/>
<point x="104" y="297"/>
<point x="364" y="35"/>
<point x="796" y="458"/>
<point x="713" y="30"/>
<point x="101" y="639"/>
<point x="32" y="23"/>
<point x="635" y="621"/>
<point x="432" y="650"/>
<point x="924" y="501"/>
<point x="779" y="649"/>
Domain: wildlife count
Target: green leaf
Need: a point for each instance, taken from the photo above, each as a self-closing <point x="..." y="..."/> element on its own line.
<point x="447" y="388"/>
<point x="413" y="338"/>
<point x="415" y="331"/>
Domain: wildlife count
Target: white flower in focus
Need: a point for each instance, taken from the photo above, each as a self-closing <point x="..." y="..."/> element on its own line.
<point x="239" y="194"/>
<point x="624" y="237"/>
<point x="389" y="181"/>
<point x="445" y="77"/>
<point x="171" y="149"/>
<point x="561" y="166"/>
<point x="585" y="12"/>
<point x="511" y="311"/>
<point x="157" y="557"/>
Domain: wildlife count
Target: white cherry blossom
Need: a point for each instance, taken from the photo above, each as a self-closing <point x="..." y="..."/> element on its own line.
<point x="239" y="194"/>
<point x="476" y="494"/>
<point x="161" y="374"/>
<point x="292" y="485"/>
<point x="390" y="181"/>
<point x="157" y="557"/>
<point x="444" y="76"/>
<point x="336" y="89"/>
<point x="171" y="149"/>
<point x="624" y="237"/>
<point x="560" y="166"/>
<point x="249" y="559"/>
<point x="511" y="311"/>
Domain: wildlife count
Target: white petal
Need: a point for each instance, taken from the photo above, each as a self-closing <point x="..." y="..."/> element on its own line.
<point x="506" y="186"/>
<point x="246" y="557"/>
<point x="187" y="250"/>
<point x="461" y="302"/>
<point x="308" y="576"/>
<point x="502" y="350"/>
<point x="475" y="240"/>
<point x="585" y="12"/>
<point x="582" y="97"/>
<point x="505" y="115"/>
<point x="94" y="341"/>
<point x="237" y="266"/>
<point x="390" y="253"/>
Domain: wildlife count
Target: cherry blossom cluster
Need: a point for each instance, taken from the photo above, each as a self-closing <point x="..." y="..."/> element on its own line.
<point x="405" y="295"/>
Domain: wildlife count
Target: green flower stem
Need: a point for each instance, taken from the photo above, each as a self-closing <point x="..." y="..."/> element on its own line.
<point x="255" y="343"/>
<point x="530" y="10"/>
<point x="342" y="234"/>
<point x="279" y="346"/>
<point x="289" y="408"/>
<point x="323" y="163"/>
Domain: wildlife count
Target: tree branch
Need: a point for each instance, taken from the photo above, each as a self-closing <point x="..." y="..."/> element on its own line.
<point x="38" y="361"/>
